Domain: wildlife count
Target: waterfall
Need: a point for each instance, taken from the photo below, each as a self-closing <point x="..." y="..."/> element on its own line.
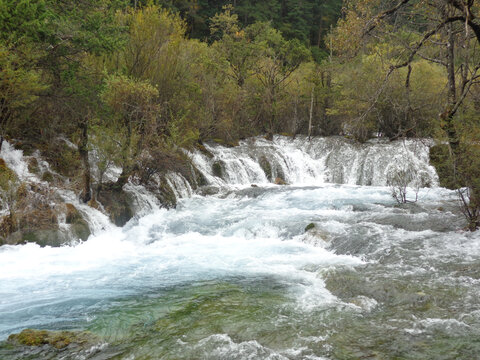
<point x="243" y="275"/>
<point x="18" y="163"/>
<point x="255" y="161"/>
<point x="179" y="185"/>
<point x="322" y="160"/>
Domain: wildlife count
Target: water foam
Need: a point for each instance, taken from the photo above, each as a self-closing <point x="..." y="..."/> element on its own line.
<point x="321" y="160"/>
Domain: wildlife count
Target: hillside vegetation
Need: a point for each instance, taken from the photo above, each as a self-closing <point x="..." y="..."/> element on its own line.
<point x="137" y="81"/>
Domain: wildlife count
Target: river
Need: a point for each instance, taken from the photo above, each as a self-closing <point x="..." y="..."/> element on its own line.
<point x="236" y="275"/>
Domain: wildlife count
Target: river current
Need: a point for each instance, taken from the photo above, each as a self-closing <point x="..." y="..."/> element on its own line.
<point x="237" y="275"/>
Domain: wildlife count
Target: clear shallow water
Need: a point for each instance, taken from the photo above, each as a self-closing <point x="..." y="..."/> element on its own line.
<point x="236" y="277"/>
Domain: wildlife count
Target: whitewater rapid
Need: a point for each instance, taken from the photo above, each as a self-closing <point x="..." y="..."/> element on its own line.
<point x="301" y="161"/>
<point x="203" y="239"/>
<point x="237" y="275"/>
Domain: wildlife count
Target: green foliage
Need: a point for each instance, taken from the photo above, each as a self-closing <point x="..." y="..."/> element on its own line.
<point x="307" y="21"/>
<point x="153" y="38"/>
<point x="8" y="187"/>
<point x="20" y="85"/>
<point x="24" y="21"/>
<point x="108" y="149"/>
<point x="133" y="103"/>
<point x="369" y="103"/>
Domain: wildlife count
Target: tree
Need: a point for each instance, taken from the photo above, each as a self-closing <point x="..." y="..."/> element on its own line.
<point x="133" y="102"/>
<point x="233" y="44"/>
<point x="20" y="85"/>
<point x="447" y="38"/>
<point x="80" y="31"/>
<point x="279" y="58"/>
<point x="23" y="24"/>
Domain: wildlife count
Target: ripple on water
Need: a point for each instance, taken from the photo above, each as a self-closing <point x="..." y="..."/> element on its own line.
<point x="237" y="277"/>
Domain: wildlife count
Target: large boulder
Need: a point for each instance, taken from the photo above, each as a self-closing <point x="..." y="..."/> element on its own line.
<point x="117" y="203"/>
<point x="78" y="226"/>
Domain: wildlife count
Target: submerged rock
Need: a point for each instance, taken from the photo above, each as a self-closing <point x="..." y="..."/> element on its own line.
<point x="208" y="190"/>
<point x="217" y="169"/>
<point x="315" y="236"/>
<point x="310" y="227"/>
<point x="57" y="339"/>
<point x="44" y="344"/>
<point x="266" y="167"/>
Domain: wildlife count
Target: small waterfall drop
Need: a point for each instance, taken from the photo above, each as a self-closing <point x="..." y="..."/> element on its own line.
<point x="17" y="162"/>
<point x="179" y="185"/>
<point x="321" y="160"/>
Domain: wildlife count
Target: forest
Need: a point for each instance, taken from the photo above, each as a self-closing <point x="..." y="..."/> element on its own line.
<point x="138" y="81"/>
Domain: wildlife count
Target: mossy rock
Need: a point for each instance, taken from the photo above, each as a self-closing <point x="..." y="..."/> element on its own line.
<point x="226" y="143"/>
<point x="47" y="176"/>
<point x="117" y="203"/>
<point x="72" y="214"/>
<point x="203" y="150"/>
<point x="217" y="169"/>
<point x="33" y="166"/>
<point x="309" y="227"/>
<point x="209" y="190"/>
<point x="8" y="225"/>
<point x="167" y="195"/>
<point x="27" y="147"/>
<point x="44" y="237"/>
<point x="7" y="176"/>
<point x="201" y="179"/>
<point x="56" y="339"/>
<point x="81" y="230"/>
<point x="279" y="172"/>
<point x="22" y="191"/>
<point x="197" y="179"/>
<point x="93" y="204"/>
<point x="79" y="226"/>
<point x="266" y="167"/>
<point x="64" y="159"/>
<point x="40" y="218"/>
<point x="280" y="181"/>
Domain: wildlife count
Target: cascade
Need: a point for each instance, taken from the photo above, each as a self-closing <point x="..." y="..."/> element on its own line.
<point x="321" y="160"/>
<point x="258" y="161"/>
<point x="269" y="272"/>
<point x="17" y="162"/>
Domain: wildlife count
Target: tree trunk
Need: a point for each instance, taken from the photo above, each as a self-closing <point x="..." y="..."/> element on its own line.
<point x="295" y="117"/>
<point x="127" y="166"/>
<point x="273" y="104"/>
<point x="452" y="95"/>
<point x="123" y="178"/>
<point x="408" y="105"/>
<point x="310" y="115"/>
<point x="83" y="151"/>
